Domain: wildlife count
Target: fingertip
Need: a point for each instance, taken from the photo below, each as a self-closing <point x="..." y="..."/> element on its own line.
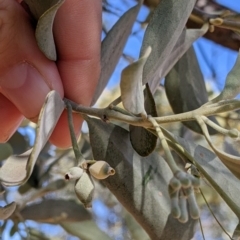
<point x="61" y="135"/>
<point x="10" y="119"/>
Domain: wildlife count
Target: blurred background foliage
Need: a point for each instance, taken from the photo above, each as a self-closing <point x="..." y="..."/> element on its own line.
<point x="48" y="208"/>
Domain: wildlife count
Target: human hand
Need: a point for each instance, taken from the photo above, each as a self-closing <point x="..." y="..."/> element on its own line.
<point x="26" y="75"/>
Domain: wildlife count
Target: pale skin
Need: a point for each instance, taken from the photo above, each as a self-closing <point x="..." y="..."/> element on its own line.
<point x="26" y="75"/>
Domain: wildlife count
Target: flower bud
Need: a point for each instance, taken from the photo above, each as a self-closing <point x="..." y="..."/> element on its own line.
<point x="101" y="170"/>
<point x="233" y="133"/>
<point x="175" y="209"/>
<point x="175" y="183"/>
<point x="183" y="178"/>
<point x="193" y="207"/>
<point x="84" y="189"/>
<point x="183" y="208"/>
<point x="74" y="173"/>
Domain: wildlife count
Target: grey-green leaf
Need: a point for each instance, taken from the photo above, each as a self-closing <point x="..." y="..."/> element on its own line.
<point x="38" y="7"/>
<point x="85" y="230"/>
<point x="140" y="185"/>
<point x="185" y="41"/>
<point x="224" y="182"/>
<point x="7" y="211"/>
<point x="187" y="37"/>
<point x="143" y="141"/>
<point x="162" y="33"/>
<point x="131" y="85"/>
<point x="19" y="143"/>
<point x="232" y="162"/>
<point x="5" y="151"/>
<point x="44" y="12"/>
<point x="185" y="88"/>
<point x="55" y="211"/>
<point x="181" y="231"/>
<point x="44" y="32"/>
<point x="17" y="169"/>
<point x="217" y="174"/>
<point x="136" y="231"/>
<point x="232" y="86"/>
<point x="84" y="189"/>
<point x="112" y="47"/>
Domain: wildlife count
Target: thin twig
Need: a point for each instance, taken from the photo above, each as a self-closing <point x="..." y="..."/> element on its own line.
<point x="107" y="113"/>
<point x="116" y="101"/>
<point x="170" y="160"/>
<point x="200" y="223"/>
<point x="215" y="126"/>
<point x="205" y="200"/>
<point x="53" y="163"/>
<point x="79" y="157"/>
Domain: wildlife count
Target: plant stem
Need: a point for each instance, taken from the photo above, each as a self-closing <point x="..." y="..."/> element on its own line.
<point x="200" y="223"/>
<point x="211" y="211"/>
<point x="172" y="164"/>
<point x="215" y="126"/>
<point x="79" y="157"/>
<point x="116" y="101"/>
<point x="109" y="114"/>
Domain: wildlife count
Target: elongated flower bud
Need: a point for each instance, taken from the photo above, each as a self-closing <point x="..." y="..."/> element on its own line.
<point x="183" y="208"/>
<point x="84" y="189"/>
<point x="101" y="170"/>
<point x="193" y="207"/>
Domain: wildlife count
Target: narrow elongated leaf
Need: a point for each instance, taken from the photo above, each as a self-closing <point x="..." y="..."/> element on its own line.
<point x="162" y="33"/>
<point x="19" y="143"/>
<point x="224" y="182"/>
<point x="112" y="47"/>
<point x="2" y="190"/>
<point x="35" y="234"/>
<point x="217" y="174"/>
<point x="84" y="189"/>
<point x="236" y="233"/>
<point x="140" y="186"/>
<point x="54" y="211"/>
<point x="131" y="85"/>
<point x="185" y="41"/>
<point x="44" y="33"/>
<point x="5" y="151"/>
<point x="232" y="162"/>
<point x="181" y="231"/>
<point x="136" y="231"/>
<point x="187" y="37"/>
<point x="51" y="187"/>
<point x="87" y="230"/>
<point x="38" y="7"/>
<point x="17" y="169"/>
<point x="143" y="141"/>
<point x="232" y="86"/>
<point x="44" y="11"/>
<point x="13" y="172"/>
<point x="7" y="211"/>
<point x="185" y="88"/>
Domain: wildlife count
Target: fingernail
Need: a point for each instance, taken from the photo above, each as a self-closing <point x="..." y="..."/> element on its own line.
<point x="26" y="88"/>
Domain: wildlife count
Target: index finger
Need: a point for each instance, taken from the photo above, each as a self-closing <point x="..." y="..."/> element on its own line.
<point x="77" y="31"/>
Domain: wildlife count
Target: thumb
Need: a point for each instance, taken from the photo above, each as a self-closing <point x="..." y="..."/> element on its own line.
<point x="26" y="75"/>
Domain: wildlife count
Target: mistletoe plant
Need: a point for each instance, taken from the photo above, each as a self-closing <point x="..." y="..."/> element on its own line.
<point x="154" y="190"/>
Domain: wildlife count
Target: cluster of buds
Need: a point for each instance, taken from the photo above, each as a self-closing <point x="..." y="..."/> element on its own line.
<point x="84" y="185"/>
<point x="181" y="190"/>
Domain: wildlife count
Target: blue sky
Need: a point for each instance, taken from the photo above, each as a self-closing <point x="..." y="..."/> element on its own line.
<point x="215" y="61"/>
